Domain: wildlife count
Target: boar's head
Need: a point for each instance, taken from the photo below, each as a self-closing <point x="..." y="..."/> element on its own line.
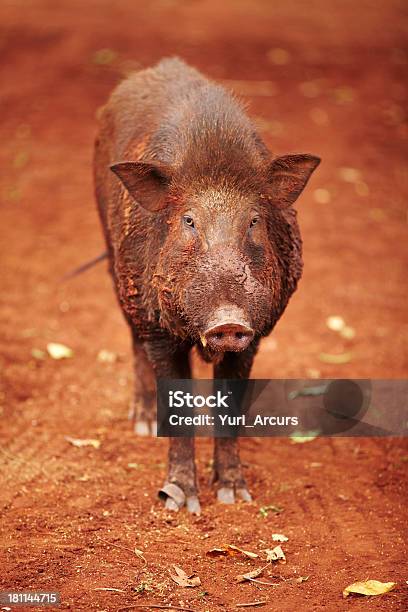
<point x="231" y="253"/>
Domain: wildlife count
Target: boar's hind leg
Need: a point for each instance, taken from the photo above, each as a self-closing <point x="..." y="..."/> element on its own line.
<point x="143" y="407"/>
<point x="227" y="463"/>
<point x="180" y="487"/>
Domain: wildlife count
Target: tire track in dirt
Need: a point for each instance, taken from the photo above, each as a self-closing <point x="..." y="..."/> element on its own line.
<point x="363" y="544"/>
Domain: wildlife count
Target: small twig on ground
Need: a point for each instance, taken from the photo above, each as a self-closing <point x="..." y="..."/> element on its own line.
<point x="109" y="589"/>
<point x="171" y="541"/>
<point x="129" y="565"/>
<point x="274" y="583"/>
<point x="251" y="603"/>
<point x="157" y="607"/>
<point x="263" y="582"/>
<point x="133" y="551"/>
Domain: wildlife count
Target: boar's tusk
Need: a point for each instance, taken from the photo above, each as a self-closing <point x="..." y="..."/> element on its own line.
<point x="203" y="340"/>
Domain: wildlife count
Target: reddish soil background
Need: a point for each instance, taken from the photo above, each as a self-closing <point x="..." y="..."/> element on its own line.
<point x="321" y="77"/>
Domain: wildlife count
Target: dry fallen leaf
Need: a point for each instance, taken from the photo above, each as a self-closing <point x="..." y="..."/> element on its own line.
<point x="230" y="550"/>
<point x="302" y="579"/>
<point x="299" y="437"/>
<point x="348" y="332"/>
<point x="313" y="373"/>
<point x="183" y="580"/>
<point x="275" y="554"/>
<point x="247" y="553"/>
<point x="338" y="324"/>
<point x="139" y="553"/>
<point x="322" y="196"/>
<point x="308" y="391"/>
<point x="217" y="552"/>
<point x="250" y="575"/>
<point x="279" y="537"/>
<point x="59" y="351"/>
<point x="335" y="323"/>
<point x="337" y="359"/>
<point x="85" y="442"/>
<point x="264" y="510"/>
<point x="350" y="175"/>
<point x="105" y="356"/>
<point x="369" y="587"/>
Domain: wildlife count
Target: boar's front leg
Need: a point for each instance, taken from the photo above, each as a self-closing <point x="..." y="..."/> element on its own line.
<point x="142" y="409"/>
<point x="227" y="463"/>
<point x="180" y="487"/>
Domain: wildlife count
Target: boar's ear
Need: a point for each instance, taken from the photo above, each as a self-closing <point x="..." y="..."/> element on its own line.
<point x="146" y="182"/>
<point x="288" y="176"/>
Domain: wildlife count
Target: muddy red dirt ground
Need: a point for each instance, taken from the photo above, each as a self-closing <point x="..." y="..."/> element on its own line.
<point x="321" y="77"/>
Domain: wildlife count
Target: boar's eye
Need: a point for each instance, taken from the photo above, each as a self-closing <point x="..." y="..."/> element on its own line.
<point x="189" y="221"/>
<point x="254" y="221"/>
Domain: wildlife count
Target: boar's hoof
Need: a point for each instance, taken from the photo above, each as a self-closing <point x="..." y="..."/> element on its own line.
<point x="226" y="495"/>
<point x="175" y="498"/>
<point x="143" y="415"/>
<point x="145" y="428"/>
<point x="141" y="428"/>
<point x="171" y="505"/>
<point x="193" y="505"/>
<point x="244" y="494"/>
<point x="173" y="495"/>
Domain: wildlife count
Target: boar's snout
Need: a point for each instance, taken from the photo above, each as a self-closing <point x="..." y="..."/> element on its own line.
<point x="229" y="337"/>
<point x="228" y="331"/>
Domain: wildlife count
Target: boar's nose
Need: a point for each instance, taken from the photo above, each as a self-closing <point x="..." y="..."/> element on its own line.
<point x="228" y="337"/>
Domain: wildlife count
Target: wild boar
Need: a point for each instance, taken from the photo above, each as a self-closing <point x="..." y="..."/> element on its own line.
<point x="203" y="244"/>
